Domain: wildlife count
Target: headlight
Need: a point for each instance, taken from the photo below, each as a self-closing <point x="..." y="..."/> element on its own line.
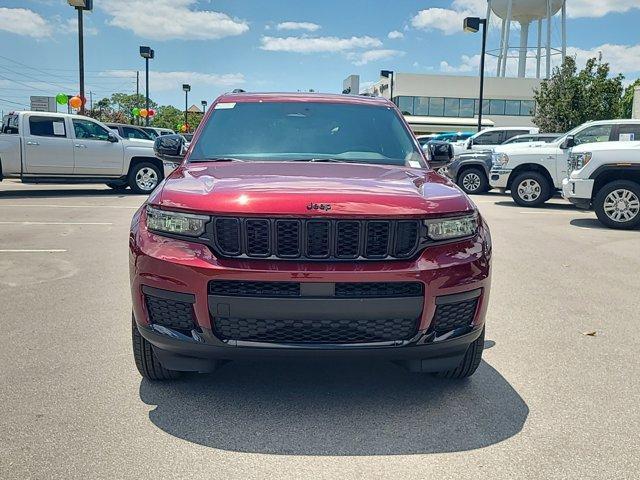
<point x="579" y="160"/>
<point x="500" y="159"/>
<point x="176" y="223"/>
<point x="448" y="228"/>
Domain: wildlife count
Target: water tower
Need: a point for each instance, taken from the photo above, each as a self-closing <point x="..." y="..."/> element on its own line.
<point x="524" y="13"/>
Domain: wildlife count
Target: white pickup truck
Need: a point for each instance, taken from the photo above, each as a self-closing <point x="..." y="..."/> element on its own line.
<point x="606" y="177"/>
<point x="39" y="147"/>
<point x="535" y="173"/>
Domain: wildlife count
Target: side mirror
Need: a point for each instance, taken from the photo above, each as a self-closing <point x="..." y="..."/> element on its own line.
<point x="439" y="154"/>
<point x="469" y="143"/>
<point x="112" y="137"/>
<point x="568" y="143"/>
<point x="169" y="147"/>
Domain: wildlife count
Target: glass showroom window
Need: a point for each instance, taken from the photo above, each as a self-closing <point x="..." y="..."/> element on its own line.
<point x="421" y="105"/>
<point x="436" y="107"/>
<point x="527" y="107"/>
<point x="512" y="107"/>
<point x="485" y="107"/>
<point x="405" y="104"/>
<point x="467" y="106"/>
<point x="451" y="107"/>
<point x="496" y="107"/>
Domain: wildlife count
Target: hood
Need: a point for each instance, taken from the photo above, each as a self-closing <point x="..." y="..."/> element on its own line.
<point x="137" y="142"/>
<point x="606" y="146"/>
<point x="288" y="188"/>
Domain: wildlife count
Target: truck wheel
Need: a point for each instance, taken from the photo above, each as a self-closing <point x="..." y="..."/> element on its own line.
<point x="144" y="177"/>
<point x="118" y="187"/>
<point x="473" y="181"/>
<point x="146" y="361"/>
<point x="617" y="204"/>
<point x="470" y="362"/>
<point x="530" y="189"/>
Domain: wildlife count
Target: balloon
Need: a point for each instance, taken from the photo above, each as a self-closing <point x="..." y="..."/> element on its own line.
<point x="61" y="99"/>
<point x="135" y="112"/>
<point x="75" y="102"/>
<point x="183" y="128"/>
<point x="151" y="112"/>
<point x="144" y="112"/>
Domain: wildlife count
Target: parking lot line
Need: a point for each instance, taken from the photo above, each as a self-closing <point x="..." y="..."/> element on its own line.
<point x="67" y="206"/>
<point x="50" y="250"/>
<point x="56" y="223"/>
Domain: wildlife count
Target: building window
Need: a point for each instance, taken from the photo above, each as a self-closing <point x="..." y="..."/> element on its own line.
<point x="527" y="108"/>
<point x="485" y="107"/>
<point x="451" y="107"/>
<point x="436" y="107"/>
<point x="512" y="107"/>
<point x="405" y="104"/>
<point x="467" y="106"/>
<point x="496" y="107"/>
<point x="421" y="106"/>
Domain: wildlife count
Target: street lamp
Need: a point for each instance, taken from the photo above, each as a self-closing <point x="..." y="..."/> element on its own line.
<point x="147" y="53"/>
<point x="472" y="25"/>
<point x="186" y="88"/>
<point x="388" y="74"/>
<point x="204" y="107"/>
<point x="80" y="6"/>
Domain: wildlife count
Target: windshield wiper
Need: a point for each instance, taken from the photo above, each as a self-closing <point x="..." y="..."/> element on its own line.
<point x="216" y="159"/>
<point x="335" y="160"/>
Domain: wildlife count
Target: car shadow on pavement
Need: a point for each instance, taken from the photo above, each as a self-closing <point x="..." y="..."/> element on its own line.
<point x="588" y="223"/>
<point x="374" y="408"/>
<point x="545" y="206"/>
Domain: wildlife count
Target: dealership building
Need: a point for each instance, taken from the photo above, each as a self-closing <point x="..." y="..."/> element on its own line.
<point x="443" y="103"/>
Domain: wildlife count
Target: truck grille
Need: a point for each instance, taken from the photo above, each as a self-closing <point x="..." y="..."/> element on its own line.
<point x="315" y="239"/>
<point x="315" y="331"/>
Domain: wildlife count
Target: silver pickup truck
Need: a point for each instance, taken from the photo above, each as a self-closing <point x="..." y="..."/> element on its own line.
<point x="39" y="147"/>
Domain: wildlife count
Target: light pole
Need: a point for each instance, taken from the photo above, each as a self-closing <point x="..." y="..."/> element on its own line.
<point x="147" y="53"/>
<point x="186" y="88"/>
<point x="388" y="74"/>
<point x="204" y="107"/>
<point x="81" y="6"/>
<point x="472" y="25"/>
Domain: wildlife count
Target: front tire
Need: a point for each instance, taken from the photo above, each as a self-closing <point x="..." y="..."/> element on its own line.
<point x="617" y="205"/>
<point x="470" y="362"/>
<point x="530" y="189"/>
<point x="473" y="181"/>
<point x="144" y="177"/>
<point x="146" y="361"/>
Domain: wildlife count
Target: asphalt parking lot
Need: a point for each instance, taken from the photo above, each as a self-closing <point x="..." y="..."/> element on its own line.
<point x="547" y="402"/>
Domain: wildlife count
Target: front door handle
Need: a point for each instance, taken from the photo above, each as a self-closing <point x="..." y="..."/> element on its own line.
<point x="32" y="143"/>
<point x="80" y="145"/>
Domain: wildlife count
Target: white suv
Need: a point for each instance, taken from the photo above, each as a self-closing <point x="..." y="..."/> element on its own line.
<point x="606" y="176"/>
<point x="489" y="138"/>
<point x="535" y="173"/>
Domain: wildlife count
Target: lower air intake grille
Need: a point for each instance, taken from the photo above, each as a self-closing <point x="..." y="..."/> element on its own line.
<point x="379" y="289"/>
<point x="455" y="315"/>
<point x="170" y="313"/>
<point x="237" y="288"/>
<point x="314" y="331"/>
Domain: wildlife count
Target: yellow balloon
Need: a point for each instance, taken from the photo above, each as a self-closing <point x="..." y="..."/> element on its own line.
<point x="144" y="112"/>
<point x="183" y="128"/>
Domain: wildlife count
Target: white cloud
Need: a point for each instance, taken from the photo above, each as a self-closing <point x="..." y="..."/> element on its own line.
<point x="443" y="19"/>
<point x="310" y="27"/>
<point x="23" y="21"/>
<point x="70" y="26"/>
<point x="306" y="44"/>
<point x="395" y="34"/>
<point x="171" y="19"/>
<point x="363" y="58"/>
<point x="164" y="81"/>
<point x="599" y="8"/>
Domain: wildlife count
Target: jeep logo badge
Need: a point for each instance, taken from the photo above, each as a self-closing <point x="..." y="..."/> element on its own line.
<point x="319" y="206"/>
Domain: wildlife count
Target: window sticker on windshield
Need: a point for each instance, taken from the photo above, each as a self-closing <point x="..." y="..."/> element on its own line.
<point x="58" y="128"/>
<point x="627" y="137"/>
<point x="224" y="105"/>
<point x="414" y="164"/>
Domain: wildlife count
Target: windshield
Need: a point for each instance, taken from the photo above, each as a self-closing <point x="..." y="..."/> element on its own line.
<point x="313" y="131"/>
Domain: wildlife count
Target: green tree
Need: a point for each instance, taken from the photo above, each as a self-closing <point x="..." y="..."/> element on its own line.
<point x="627" y="99"/>
<point x="570" y="98"/>
<point x="168" y="116"/>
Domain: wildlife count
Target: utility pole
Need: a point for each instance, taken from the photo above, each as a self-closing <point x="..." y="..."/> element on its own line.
<point x="137" y="94"/>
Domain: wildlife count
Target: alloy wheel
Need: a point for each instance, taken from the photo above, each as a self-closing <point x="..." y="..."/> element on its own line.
<point x="529" y="190"/>
<point x="146" y="179"/>
<point x="622" y="205"/>
<point x="471" y="182"/>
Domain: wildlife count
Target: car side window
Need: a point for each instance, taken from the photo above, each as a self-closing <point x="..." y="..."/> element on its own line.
<point x="88" y="130"/>
<point x="629" y="131"/>
<point x="515" y="133"/>
<point x="594" y="134"/>
<point x="134" y="133"/>
<point x="489" y="138"/>
<point x="47" y="126"/>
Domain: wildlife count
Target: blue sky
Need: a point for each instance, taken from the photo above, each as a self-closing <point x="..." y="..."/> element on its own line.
<point x="284" y="45"/>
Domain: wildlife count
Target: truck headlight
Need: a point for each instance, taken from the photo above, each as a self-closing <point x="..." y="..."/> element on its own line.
<point x="579" y="160"/>
<point x="176" y="223"/>
<point x="500" y="159"/>
<point x="453" y="227"/>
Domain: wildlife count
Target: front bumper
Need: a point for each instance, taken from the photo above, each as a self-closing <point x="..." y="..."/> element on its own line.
<point x="456" y="270"/>
<point x="499" y="177"/>
<point x="578" y="191"/>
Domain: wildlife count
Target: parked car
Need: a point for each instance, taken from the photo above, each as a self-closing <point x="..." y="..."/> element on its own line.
<point x="489" y="138"/>
<point x="155" y="132"/>
<point x="606" y="177"/>
<point x="39" y="147"/>
<point x="188" y="137"/>
<point x="321" y="231"/>
<point x="453" y="136"/>
<point x="534" y="174"/>
<point x="533" y="138"/>
<point x="130" y="132"/>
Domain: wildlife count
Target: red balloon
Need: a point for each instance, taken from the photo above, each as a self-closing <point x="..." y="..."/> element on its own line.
<point x="151" y="112"/>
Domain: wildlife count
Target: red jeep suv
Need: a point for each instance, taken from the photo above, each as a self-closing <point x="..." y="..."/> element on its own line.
<point x="306" y="225"/>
